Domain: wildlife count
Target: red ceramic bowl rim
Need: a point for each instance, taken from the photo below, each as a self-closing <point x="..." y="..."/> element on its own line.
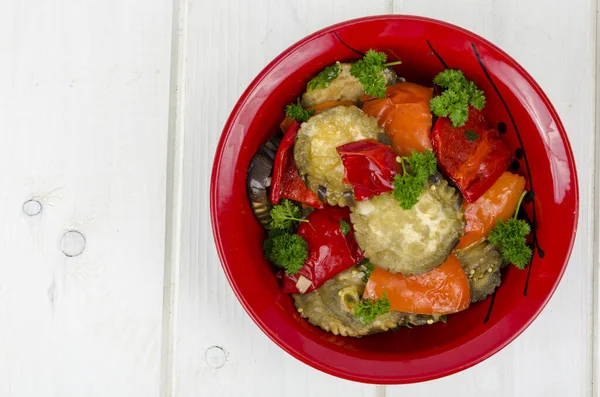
<point x="301" y="355"/>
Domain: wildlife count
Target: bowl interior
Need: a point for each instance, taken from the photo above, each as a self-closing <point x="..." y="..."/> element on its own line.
<point x="514" y="103"/>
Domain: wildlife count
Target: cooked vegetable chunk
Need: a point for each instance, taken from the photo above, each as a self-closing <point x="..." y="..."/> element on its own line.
<point x="405" y="115"/>
<point x="482" y="264"/>
<point x="443" y="290"/>
<point x="411" y="241"/>
<point x="332" y="307"/>
<point x="315" y="150"/>
<point x="344" y="87"/>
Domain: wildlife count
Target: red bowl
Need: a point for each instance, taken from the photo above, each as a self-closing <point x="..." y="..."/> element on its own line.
<point x="530" y="125"/>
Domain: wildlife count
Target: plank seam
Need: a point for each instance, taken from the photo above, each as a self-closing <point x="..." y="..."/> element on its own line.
<point x="596" y="195"/>
<point x="174" y="193"/>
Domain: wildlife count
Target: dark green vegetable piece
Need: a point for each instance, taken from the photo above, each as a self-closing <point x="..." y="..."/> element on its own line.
<point x="368" y="72"/>
<point x="471" y="135"/>
<point x="297" y="112"/>
<point x="509" y="237"/>
<point x="345" y="227"/>
<point x="368" y="266"/>
<point x="325" y="77"/>
<point x="459" y="93"/>
<point x="409" y="185"/>
<point x="367" y="310"/>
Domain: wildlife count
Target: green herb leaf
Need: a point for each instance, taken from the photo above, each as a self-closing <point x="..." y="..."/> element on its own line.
<point x="443" y="318"/>
<point x="510" y="238"/>
<point x="286" y="216"/>
<point x="345" y="227"/>
<point x="367" y="310"/>
<point x="471" y="135"/>
<point x="369" y="72"/>
<point x="297" y="112"/>
<point x="459" y="93"/>
<point x="325" y="77"/>
<point x="409" y="185"/>
<point x="288" y="251"/>
<point x="368" y="269"/>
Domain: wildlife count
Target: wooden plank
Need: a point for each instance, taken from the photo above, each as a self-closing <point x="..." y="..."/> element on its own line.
<point x="84" y="90"/>
<point x="227" y="44"/>
<point x="555" y="41"/>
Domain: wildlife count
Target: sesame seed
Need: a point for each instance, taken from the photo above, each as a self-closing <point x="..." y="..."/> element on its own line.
<point x="430" y="321"/>
<point x="300" y="310"/>
<point x="398" y="159"/>
<point x="472" y="271"/>
<point x="491" y="269"/>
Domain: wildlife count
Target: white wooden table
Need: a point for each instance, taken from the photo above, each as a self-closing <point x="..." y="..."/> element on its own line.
<point x="110" y="112"/>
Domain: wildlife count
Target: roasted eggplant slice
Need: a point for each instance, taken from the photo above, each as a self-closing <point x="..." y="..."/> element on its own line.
<point x="411" y="241"/>
<point x="482" y="265"/>
<point x="258" y="180"/>
<point x="331" y="307"/>
<point x="344" y="87"/>
<point x="318" y="162"/>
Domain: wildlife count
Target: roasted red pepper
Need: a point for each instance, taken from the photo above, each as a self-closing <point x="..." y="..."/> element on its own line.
<point x="329" y="250"/>
<point x="473" y="156"/>
<point x="369" y="167"/>
<point x="285" y="181"/>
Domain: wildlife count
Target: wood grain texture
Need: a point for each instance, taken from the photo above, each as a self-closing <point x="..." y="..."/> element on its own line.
<point x="554" y="41"/>
<point x="227" y="44"/>
<point x="84" y="90"/>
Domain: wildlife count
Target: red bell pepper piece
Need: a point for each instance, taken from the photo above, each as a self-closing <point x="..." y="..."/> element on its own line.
<point x="473" y="156"/>
<point x="285" y="181"/>
<point x="329" y="251"/>
<point x="370" y="167"/>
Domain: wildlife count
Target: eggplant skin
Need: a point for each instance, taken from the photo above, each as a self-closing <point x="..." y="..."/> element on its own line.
<point x="258" y="180"/>
<point x="412" y="241"/>
<point x="482" y="264"/>
<point x="344" y="87"/>
<point x="331" y="307"/>
<point x="319" y="164"/>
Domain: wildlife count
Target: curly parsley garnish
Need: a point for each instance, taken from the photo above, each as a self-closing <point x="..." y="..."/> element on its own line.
<point x="325" y="77"/>
<point x="369" y="72"/>
<point x="285" y="250"/>
<point x="459" y="93"/>
<point x="286" y="216"/>
<point x="409" y="185"/>
<point x="510" y="236"/>
<point x="367" y="310"/>
<point x="297" y="112"/>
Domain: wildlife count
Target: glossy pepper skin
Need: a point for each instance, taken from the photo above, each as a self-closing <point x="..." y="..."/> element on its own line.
<point x="329" y="251"/>
<point x="285" y="181"/>
<point x="405" y="115"/>
<point x="443" y="290"/>
<point x="473" y="156"/>
<point x="369" y="167"/>
<point x="499" y="202"/>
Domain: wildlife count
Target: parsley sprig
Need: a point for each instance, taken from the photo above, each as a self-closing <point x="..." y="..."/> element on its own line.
<point x="409" y="185"/>
<point x="297" y="112"/>
<point x="459" y="93"/>
<point x="284" y="247"/>
<point x="369" y="70"/>
<point x="509" y="237"/>
<point x="367" y="310"/>
<point x="368" y="269"/>
<point x="324" y="77"/>
<point x="286" y="216"/>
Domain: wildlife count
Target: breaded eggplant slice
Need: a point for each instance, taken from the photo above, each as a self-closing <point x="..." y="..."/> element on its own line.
<point x="411" y="241"/>
<point x="319" y="164"/>
<point x="344" y="87"/>
<point x="482" y="264"/>
<point x="331" y="307"/>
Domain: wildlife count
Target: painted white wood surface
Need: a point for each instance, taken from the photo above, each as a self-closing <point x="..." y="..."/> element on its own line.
<point x="227" y="44"/>
<point x="84" y="102"/>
